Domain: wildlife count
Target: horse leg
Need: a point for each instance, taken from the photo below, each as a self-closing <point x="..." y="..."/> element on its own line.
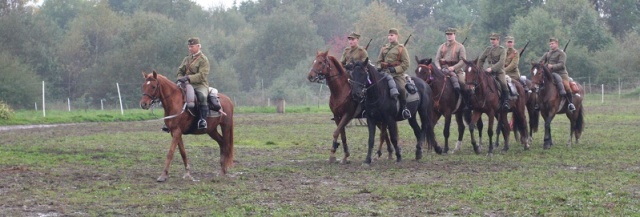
<point x="372" y="134"/>
<point x="177" y="138"/>
<point x="472" y="126"/>
<point x="445" y="131"/>
<point x="490" y="132"/>
<point x="547" y="132"/>
<point x="384" y="138"/>
<point x="345" y="147"/>
<point x="480" y="126"/>
<point x="420" y="137"/>
<point x="393" y="133"/>
<point x="505" y="132"/>
<point x="185" y="160"/>
<point x="460" y="132"/>
<point x="341" y="122"/>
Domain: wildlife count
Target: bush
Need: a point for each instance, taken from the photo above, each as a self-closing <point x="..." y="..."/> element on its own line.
<point x="5" y="111"/>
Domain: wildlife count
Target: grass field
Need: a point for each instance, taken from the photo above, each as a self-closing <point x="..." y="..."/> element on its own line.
<point x="109" y="169"/>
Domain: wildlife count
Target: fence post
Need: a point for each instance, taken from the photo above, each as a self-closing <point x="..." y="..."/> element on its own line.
<point x="69" y="103"/>
<point x="602" y="95"/>
<point x="44" y="114"/>
<point x="120" y="98"/>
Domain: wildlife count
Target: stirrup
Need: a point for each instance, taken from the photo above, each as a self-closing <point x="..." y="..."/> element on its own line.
<point x="202" y="124"/>
<point x="406" y="114"/>
<point x="572" y="107"/>
<point x="505" y="105"/>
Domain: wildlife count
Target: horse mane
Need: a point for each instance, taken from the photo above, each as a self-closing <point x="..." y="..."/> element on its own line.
<point x="337" y="63"/>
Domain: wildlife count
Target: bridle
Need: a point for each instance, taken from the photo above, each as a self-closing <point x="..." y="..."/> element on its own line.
<point x="320" y="74"/>
<point x="473" y="83"/>
<point x="362" y="95"/>
<point x="155" y="98"/>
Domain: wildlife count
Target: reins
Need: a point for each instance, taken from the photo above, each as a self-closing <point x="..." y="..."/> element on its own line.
<point x="155" y="99"/>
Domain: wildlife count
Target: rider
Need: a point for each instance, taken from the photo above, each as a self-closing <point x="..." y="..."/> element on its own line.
<point x="451" y="53"/>
<point x="394" y="59"/>
<point x="195" y="70"/>
<point x="512" y="61"/>
<point x="555" y="60"/>
<point x="496" y="55"/>
<point x="354" y="52"/>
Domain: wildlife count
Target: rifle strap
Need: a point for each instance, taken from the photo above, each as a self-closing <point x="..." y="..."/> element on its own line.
<point x="191" y="63"/>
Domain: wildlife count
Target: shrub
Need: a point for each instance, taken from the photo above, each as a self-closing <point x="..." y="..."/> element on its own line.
<point x="5" y="111"/>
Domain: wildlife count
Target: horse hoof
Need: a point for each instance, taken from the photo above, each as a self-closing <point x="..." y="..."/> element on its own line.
<point x="365" y="164"/>
<point x="332" y="160"/>
<point x="344" y="161"/>
<point x="162" y="179"/>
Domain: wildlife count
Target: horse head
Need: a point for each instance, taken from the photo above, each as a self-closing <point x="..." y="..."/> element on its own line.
<point x="538" y="73"/>
<point x="472" y="75"/>
<point x="150" y="90"/>
<point x="425" y="69"/>
<point x="322" y="67"/>
<point x="360" y="79"/>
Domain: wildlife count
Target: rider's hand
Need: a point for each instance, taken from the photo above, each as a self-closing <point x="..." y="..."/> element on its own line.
<point x="183" y="79"/>
<point x="384" y="65"/>
<point x="392" y="70"/>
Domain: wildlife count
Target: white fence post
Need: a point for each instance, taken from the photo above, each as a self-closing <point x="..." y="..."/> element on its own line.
<point x="44" y="114"/>
<point x="120" y="98"/>
<point x="602" y="95"/>
<point x="69" y="104"/>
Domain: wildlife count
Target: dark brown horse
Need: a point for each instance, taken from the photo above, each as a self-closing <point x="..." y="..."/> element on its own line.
<point x="484" y="98"/>
<point x="327" y="68"/>
<point x="446" y="101"/>
<point x="180" y="121"/>
<point x="551" y="103"/>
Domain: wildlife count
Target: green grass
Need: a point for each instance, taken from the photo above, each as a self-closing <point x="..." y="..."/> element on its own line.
<point x="109" y="168"/>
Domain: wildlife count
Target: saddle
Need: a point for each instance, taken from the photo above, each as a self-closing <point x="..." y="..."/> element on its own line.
<point x="213" y="100"/>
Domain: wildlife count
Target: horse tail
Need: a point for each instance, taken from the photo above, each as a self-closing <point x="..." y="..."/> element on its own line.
<point x="467" y="116"/>
<point x="520" y="124"/>
<point x="226" y="125"/>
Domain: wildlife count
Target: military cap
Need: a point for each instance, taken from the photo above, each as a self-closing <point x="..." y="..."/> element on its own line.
<point x="553" y="39"/>
<point x="393" y="31"/>
<point x="193" y="41"/>
<point x="354" y="35"/>
<point x="451" y="30"/>
<point x="509" y="38"/>
<point x="494" y="36"/>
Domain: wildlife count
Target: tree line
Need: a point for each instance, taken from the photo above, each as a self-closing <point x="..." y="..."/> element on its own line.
<point x="81" y="48"/>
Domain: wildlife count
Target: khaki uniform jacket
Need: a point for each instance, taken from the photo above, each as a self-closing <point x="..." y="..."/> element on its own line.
<point x="451" y="52"/>
<point x="197" y="68"/>
<point x="511" y="63"/>
<point x="495" y="56"/>
<point x="396" y="55"/>
<point x="350" y="54"/>
<point x="557" y="58"/>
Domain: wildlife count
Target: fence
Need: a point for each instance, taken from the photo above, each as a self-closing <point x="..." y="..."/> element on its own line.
<point x="316" y="95"/>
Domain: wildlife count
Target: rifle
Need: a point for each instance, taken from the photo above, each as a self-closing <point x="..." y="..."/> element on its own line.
<point x="367" y="47"/>
<point x="465" y="40"/>
<point x="524" y="48"/>
<point x="405" y="42"/>
<point x="565" y="46"/>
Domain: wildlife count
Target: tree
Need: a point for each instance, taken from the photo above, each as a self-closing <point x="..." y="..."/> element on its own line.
<point x="498" y="15"/>
<point x="581" y="22"/>
<point x="621" y="16"/>
<point x="19" y="84"/>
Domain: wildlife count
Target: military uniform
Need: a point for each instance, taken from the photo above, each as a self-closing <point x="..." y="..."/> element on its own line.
<point x="495" y="56"/>
<point x="511" y="62"/>
<point x="557" y="59"/>
<point x="353" y="54"/>
<point x="451" y="54"/>
<point x="196" y="68"/>
<point x="394" y="59"/>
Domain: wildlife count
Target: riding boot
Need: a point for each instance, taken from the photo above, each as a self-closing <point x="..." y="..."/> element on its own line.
<point x="204" y="113"/>
<point x="505" y="99"/>
<point x="569" y="98"/>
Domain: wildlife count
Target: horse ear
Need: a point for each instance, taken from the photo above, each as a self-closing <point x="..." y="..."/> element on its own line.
<point x="417" y="60"/>
<point x="428" y="61"/>
<point x="143" y="74"/>
<point x="366" y="61"/>
<point x="155" y="74"/>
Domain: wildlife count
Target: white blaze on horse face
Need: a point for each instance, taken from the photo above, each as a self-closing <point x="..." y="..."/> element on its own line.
<point x="420" y="69"/>
<point x="535" y="71"/>
<point x="469" y="69"/>
<point x="148" y="82"/>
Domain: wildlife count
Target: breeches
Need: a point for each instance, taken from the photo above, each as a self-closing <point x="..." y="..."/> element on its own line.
<point x="503" y="81"/>
<point x="202" y="93"/>
<point x="565" y="82"/>
<point x="400" y="82"/>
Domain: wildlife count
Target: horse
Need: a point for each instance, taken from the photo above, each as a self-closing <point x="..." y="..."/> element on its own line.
<point x="483" y="92"/>
<point x="532" y="110"/>
<point x="446" y="101"/>
<point x="327" y="68"/>
<point x="180" y="121"/>
<point x="371" y="87"/>
<point x="551" y="103"/>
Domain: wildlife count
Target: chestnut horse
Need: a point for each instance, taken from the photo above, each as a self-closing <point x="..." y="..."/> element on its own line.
<point x="484" y="98"/>
<point x="327" y="68"/>
<point x="180" y="121"/>
<point x="446" y="101"/>
<point x="551" y="103"/>
<point x="372" y="88"/>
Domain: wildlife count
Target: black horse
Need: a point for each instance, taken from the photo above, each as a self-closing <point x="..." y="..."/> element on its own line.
<point x="372" y="89"/>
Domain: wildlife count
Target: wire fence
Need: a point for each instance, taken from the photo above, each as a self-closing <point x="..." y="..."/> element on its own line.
<point x="128" y="95"/>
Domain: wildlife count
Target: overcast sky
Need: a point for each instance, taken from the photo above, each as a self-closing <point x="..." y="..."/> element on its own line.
<point x="206" y="4"/>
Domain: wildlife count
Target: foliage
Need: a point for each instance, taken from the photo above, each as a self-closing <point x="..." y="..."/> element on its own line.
<point x="6" y="112"/>
<point x="20" y="84"/>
